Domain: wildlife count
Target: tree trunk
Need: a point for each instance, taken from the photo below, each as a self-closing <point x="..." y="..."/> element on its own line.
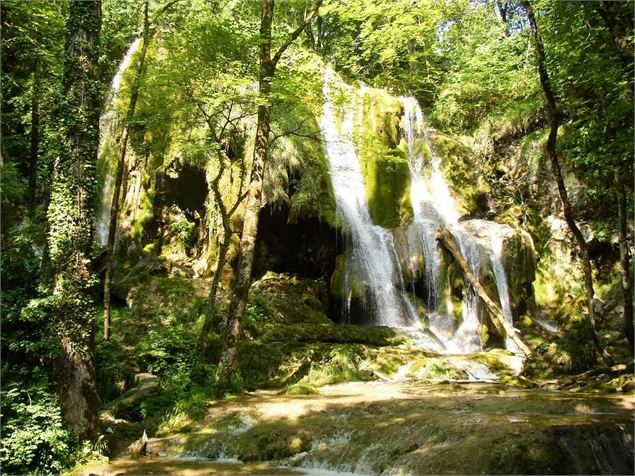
<point x="502" y="6"/>
<point x="229" y="355"/>
<point x="625" y="262"/>
<point x="210" y="315"/>
<point x="121" y="165"/>
<point x="552" y="111"/>
<point x="70" y="217"/>
<point x="35" y="135"/>
<point x="496" y="314"/>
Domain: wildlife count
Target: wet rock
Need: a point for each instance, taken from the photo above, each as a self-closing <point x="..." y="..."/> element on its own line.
<point x="518" y="257"/>
<point x="390" y="428"/>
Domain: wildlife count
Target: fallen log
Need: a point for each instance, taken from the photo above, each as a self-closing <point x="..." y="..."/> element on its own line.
<point x="496" y="314"/>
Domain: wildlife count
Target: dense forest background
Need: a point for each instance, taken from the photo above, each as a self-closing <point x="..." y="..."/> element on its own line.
<point x="534" y="100"/>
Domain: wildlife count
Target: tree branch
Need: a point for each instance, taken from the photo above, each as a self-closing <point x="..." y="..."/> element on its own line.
<point x="298" y="31"/>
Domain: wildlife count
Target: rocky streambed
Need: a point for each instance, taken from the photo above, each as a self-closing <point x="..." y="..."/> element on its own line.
<point x="396" y="428"/>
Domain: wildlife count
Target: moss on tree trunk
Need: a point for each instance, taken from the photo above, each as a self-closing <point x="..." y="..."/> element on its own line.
<point x="70" y="218"/>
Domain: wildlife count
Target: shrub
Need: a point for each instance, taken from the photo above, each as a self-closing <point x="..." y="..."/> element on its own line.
<point x="34" y="440"/>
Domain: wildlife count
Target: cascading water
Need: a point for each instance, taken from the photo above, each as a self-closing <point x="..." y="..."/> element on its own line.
<point x="434" y="208"/>
<point x="496" y="258"/>
<point x="107" y="130"/>
<point x="373" y="257"/>
<point x="373" y="253"/>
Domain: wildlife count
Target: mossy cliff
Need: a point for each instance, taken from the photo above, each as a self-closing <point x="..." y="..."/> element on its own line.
<point x="169" y="215"/>
<point x="500" y="172"/>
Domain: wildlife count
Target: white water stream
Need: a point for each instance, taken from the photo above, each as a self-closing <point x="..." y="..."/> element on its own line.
<point x="373" y="253"/>
<point x="107" y="129"/>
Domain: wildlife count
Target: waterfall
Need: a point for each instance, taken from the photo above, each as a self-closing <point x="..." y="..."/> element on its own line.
<point x="501" y="282"/>
<point x="373" y="254"/>
<point x="433" y="208"/>
<point x="374" y="260"/>
<point x="107" y="129"/>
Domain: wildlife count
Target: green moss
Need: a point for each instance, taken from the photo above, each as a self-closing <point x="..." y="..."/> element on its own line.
<point x="495" y="360"/>
<point x="462" y="171"/>
<point x="145" y="215"/>
<point x="519" y="261"/>
<point x="388" y="189"/>
<point x="435" y="369"/>
<point x="340" y="364"/>
<point x="339" y="334"/>
<point x="301" y="389"/>
<point x="313" y="195"/>
<point x="344" y="283"/>
<point x="272" y="440"/>
<point x="452" y="285"/>
<point x="384" y="165"/>
<point x="484" y="332"/>
<point x="387" y="363"/>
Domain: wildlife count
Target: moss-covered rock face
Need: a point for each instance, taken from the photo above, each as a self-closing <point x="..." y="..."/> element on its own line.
<point x="464" y="173"/>
<point x="410" y="253"/>
<point x="519" y="260"/>
<point x="291" y="299"/>
<point x="384" y="165"/>
<point x="517" y="255"/>
<point x="168" y="212"/>
<point x="345" y="284"/>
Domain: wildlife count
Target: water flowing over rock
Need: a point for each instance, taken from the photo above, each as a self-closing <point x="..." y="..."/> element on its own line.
<point x="373" y="252"/>
<point x="107" y="130"/>
<point x="401" y="275"/>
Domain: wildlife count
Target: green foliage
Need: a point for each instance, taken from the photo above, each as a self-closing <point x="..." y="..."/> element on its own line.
<point x="121" y="21"/>
<point x="32" y="57"/>
<point x="34" y="439"/>
<point x="13" y="187"/>
<point x="257" y="313"/>
<point x="165" y="349"/>
<point x="490" y="75"/>
<point x="113" y="369"/>
<point x="393" y="44"/>
<point x="185" y="230"/>
<point x="165" y="343"/>
<point x="593" y="83"/>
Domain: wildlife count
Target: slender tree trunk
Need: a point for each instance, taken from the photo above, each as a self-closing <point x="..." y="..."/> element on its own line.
<point x="320" y="34"/>
<point x="625" y="261"/>
<point x="35" y="135"/>
<point x="229" y="355"/>
<point x="552" y="111"/>
<point x="226" y="214"/>
<point x="121" y="165"/>
<point x="211" y="313"/>
<point x="71" y="219"/>
<point x="502" y="6"/>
